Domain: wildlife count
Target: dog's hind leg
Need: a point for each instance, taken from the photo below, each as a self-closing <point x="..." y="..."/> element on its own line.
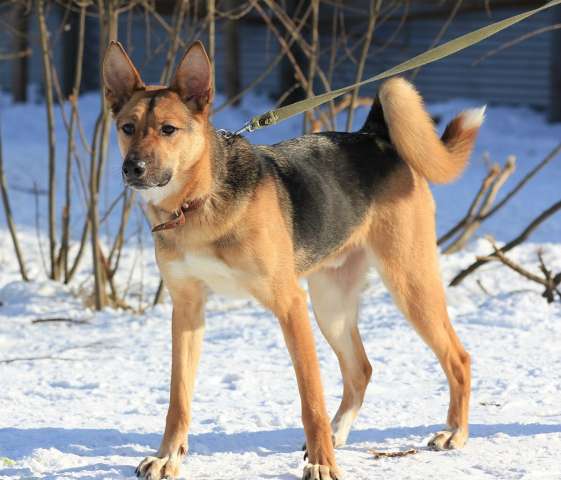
<point x="335" y="297"/>
<point x="290" y="307"/>
<point x="403" y="243"/>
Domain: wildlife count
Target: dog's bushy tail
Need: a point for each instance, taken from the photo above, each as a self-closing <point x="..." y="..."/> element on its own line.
<point x="412" y="132"/>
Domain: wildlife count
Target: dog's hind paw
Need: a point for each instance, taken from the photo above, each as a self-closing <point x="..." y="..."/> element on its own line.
<point x="448" y="439"/>
<point x="156" y="468"/>
<point x="320" y="472"/>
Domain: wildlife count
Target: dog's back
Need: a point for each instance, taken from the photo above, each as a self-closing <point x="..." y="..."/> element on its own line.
<point x="329" y="181"/>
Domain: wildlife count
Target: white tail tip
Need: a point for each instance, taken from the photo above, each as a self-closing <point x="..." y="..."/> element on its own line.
<point x="473" y="118"/>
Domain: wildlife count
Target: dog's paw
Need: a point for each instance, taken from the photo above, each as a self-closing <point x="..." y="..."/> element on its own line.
<point x="156" y="468"/>
<point x="448" y="439"/>
<point x="320" y="472"/>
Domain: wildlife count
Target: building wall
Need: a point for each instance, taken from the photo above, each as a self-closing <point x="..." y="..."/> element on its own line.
<point x="519" y="75"/>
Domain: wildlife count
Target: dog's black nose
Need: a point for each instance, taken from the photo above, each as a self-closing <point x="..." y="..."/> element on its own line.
<point x="134" y="169"/>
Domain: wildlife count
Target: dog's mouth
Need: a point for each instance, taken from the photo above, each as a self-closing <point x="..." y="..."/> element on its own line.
<point x="148" y="183"/>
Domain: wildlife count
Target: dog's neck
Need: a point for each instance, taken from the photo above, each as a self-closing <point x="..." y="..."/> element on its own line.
<point x="203" y="194"/>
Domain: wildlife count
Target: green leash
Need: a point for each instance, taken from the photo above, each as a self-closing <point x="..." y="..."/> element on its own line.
<point x="273" y="117"/>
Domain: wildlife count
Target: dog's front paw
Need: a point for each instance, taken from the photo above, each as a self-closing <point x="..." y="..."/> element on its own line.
<point x="448" y="439"/>
<point x="156" y="468"/>
<point x="320" y="472"/>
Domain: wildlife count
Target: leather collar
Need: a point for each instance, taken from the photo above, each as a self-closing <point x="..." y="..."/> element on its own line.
<point x="178" y="218"/>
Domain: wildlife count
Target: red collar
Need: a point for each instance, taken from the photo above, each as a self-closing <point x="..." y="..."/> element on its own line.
<point x="179" y="215"/>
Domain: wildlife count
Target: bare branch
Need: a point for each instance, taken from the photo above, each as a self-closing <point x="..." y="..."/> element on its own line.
<point x="374" y="12"/>
<point x="510" y="245"/>
<point x="474" y="222"/>
<point x="549" y="282"/>
<point x="49" y="103"/>
<point x="516" y="41"/>
<point x="9" y="216"/>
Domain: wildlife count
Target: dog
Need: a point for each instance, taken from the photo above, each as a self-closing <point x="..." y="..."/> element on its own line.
<point x="243" y="219"/>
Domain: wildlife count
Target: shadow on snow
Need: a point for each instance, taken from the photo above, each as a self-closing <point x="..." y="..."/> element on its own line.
<point x="16" y="443"/>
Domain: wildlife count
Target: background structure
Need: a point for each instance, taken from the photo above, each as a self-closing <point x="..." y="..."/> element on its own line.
<point x="526" y="73"/>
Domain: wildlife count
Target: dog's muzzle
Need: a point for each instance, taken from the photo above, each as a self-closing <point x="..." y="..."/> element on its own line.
<point x="137" y="174"/>
<point x="134" y="170"/>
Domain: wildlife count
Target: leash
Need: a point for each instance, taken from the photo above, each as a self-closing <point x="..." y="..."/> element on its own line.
<point x="273" y="117"/>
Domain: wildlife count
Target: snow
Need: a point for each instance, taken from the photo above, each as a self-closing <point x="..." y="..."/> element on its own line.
<point x="97" y="406"/>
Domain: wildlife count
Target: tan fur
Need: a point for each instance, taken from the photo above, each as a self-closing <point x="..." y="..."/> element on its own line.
<point x="250" y="243"/>
<point x="403" y="240"/>
<point x="414" y="137"/>
<point x="187" y="334"/>
<point x="335" y="293"/>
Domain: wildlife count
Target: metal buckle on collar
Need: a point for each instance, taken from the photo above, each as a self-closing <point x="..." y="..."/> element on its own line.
<point x="227" y="134"/>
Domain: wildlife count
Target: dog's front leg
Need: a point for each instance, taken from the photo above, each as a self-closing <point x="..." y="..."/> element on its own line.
<point x="187" y="335"/>
<point x="293" y="316"/>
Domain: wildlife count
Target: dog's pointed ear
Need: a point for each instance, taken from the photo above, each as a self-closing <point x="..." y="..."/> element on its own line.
<point x="120" y="77"/>
<point x="193" y="78"/>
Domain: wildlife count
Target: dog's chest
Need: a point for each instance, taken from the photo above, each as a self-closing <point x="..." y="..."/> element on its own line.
<point x="216" y="274"/>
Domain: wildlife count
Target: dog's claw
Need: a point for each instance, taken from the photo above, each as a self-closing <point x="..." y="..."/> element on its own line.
<point x="158" y="468"/>
<point x="320" y="472"/>
<point x="448" y="440"/>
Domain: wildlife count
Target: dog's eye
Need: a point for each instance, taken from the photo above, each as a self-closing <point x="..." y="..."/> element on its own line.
<point x="128" y="129"/>
<point x="168" y="130"/>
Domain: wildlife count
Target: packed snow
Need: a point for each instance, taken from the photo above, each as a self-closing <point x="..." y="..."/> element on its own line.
<point x="88" y="400"/>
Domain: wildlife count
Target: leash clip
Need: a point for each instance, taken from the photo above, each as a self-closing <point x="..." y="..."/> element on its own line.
<point x="246" y="128"/>
<point x="228" y="135"/>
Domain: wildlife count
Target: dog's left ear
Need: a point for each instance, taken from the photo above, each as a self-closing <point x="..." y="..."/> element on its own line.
<point x="193" y="78"/>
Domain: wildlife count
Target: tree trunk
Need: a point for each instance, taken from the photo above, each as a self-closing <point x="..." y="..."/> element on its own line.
<point x="70" y="40"/>
<point x="555" y="83"/>
<point x="288" y="76"/>
<point x="232" y="68"/>
<point x="20" y="66"/>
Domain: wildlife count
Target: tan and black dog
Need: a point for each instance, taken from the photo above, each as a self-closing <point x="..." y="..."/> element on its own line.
<point x="246" y="219"/>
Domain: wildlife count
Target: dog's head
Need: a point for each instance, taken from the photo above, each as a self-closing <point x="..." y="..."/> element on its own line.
<point x="162" y="131"/>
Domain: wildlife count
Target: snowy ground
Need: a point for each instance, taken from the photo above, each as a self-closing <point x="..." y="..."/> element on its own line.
<point x="98" y="407"/>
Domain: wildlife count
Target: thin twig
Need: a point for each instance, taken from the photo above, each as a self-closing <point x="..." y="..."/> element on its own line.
<point x="175" y="36"/>
<point x="510" y="245"/>
<point x="500" y="256"/>
<point x="52" y="356"/>
<point x="474" y="222"/>
<point x="60" y="320"/>
<point x="549" y="157"/>
<point x="549" y="282"/>
<point x="374" y="12"/>
<point x="441" y="33"/>
<point x="70" y="147"/>
<point x="494" y="170"/>
<point x="49" y="104"/>
<point x="9" y="215"/>
<point x="158" y="297"/>
<point x="15" y="55"/>
<point x="265" y="73"/>
<point x="377" y="454"/>
<point x="212" y="37"/>
<point x="482" y="216"/>
<point x="516" y="41"/>
<point x="38" y="230"/>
